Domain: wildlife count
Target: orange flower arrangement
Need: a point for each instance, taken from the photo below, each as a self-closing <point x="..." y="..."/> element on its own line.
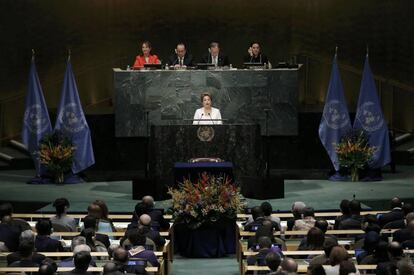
<point x="206" y="201"/>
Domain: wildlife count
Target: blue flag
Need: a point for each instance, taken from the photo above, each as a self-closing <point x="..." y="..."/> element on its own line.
<point x="36" y="121"/>
<point x="369" y="118"/>
<point x="335" y="121"/>
<point x="72" y="123"/>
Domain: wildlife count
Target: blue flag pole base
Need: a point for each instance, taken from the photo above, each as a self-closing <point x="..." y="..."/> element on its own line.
<point x="44" y="179"/>
<point x="338" y="177"/>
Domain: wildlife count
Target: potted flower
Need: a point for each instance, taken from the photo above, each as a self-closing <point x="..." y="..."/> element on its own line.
<point x="354" y="152"/>
<point x="206" y="201"/>
<point x="56" y="153"/>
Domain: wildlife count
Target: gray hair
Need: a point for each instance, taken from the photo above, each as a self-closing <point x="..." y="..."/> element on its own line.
<point x="80" y="248"/>
<point x="78" y="240"/>
<point x="27" y="235"/>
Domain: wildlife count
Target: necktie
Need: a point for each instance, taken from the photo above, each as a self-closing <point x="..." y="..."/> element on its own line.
<point x="181" y="61"/>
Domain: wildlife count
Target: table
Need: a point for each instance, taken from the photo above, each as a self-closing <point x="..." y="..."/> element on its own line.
<point x="192" y="171"/>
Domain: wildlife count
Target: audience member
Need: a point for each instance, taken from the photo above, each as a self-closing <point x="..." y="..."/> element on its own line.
<point x="308" y="220"/>
<point x="267" y="210"/>
<point x="146" y="206"/>
<point x="395" y="213"/>
<point x="91" y="222"/>
<point x="145" y="222"/>
<point x="297" y="211"/>
<point x="43" y="242"/>
<point x="138" y="250"/>
<point x="104" y="222"/>
<point x="91" y="241"/>
<point x="404" y="234"/>
<point x="61" y="218"/>
<point x="48" y="267"/>
<point x="121" y="259"/>
<point x="409" y="244"/>
<point x="405" y="267"/>
<point x="6" y="216"/>
<point x="337" y="256"/>
<point x="69" y="262"/>
<point x="323" y="259"/>
<point x="264" y="246"/>
<point x="347" y="267"/>
<point x="288" y="266"/>
<point x="314" y="240"/>
<point x="371" y="241"/>
<point x="27" y="236"/>
<point x="316" y="270"/>
<point x="273" y="261"/>
<point x="395" y="252"/>
<point x="407" y="208"/>
<point x="26" y="249"/>
<point x="355" y="221"/>
<point x="346" y="213"/>
<point x="82" y="261"/>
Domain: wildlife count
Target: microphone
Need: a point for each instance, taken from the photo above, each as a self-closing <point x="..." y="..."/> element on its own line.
<point x="202" y="114"/>
<point x="210" y="118"/>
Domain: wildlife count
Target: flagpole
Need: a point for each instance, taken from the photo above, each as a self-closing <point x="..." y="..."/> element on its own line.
<point x="336" y="51"/>
<point x="69" y="53"/>
<point x="33" y="54"/>
<point x="367" y="50"/>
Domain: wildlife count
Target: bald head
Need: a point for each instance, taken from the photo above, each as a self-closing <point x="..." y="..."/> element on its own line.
<point x="297" y="208"/>
<point x="120" y="255"/>
<point x="396" y="202"/>
<point x="148" y="201"/>
<point x="289" y="265"/>
<point x="145" y="219"/>
<point x="410" y="227"/>
<point x="409" y="217"/>
<point x="110" y="268"/>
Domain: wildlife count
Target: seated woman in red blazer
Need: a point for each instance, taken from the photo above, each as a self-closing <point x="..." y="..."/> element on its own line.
<point x="146" y="57"/>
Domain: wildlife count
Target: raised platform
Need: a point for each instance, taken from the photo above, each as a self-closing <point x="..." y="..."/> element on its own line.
<point x="321" y="194"/>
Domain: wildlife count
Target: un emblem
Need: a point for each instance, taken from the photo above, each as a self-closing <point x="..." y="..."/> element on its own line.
<point x="335" y="115"/>
<point x="35" y="119"/>
<point x="71" y="118"/>
<point x="205" y="133"/>
<point x="370" y="117"/>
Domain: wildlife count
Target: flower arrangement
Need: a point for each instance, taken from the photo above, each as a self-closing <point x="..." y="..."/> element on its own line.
<point x="56" y="153"/>
<point x="206" y="201"/>
<point x="354" y="152"/>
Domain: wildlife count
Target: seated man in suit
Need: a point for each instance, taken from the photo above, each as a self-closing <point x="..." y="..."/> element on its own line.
<point x="26" y="236"/>
<point x="404" y="234"/>
<point x="121" y="260"/>
<point x="146" y="206"/>
<point x="26" y="249"/>
<point x="82" y="261"/>
<point x="181" y="58"/>
<point x="138" y="251"/>
<point x="355" y="221"/>
<point x="395" y="213"/>
<point x="215" y="57"/>
<point x="407" y="208"/>
<point x="43" y="242"/>
<point x="6" y="214"/>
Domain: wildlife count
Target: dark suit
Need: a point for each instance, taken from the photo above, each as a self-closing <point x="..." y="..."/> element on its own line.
<point x="398" y="224"/>
<point x="76" y="272"/>
<point x="46" y="244"/>
<point x="354" y="222"/>
<point x="223" y="60"/>
<point x="157" y="219"/>
<point x="15" y="257"/>
<point x="188" y="60"/>
<point x="104" y="239"/>
<point x="261" y="58"/>
<point x="339" y="219"/>
<point x="393" y="215"/>
<point x="10" y="236"/>
<point x="149" y="233"/>
<point x="401" y="235"/>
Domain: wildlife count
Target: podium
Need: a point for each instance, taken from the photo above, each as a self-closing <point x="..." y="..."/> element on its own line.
<point x="169" y="144"/>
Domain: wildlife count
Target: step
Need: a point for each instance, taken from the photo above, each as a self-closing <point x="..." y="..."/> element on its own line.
<point x="16" y="159"/>
<point x="4" y="165"/>
<point x="402" y="138"/>
<point x="19" y="146"/>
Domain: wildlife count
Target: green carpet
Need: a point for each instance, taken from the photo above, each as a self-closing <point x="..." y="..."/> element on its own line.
<point x="320" y="194"/>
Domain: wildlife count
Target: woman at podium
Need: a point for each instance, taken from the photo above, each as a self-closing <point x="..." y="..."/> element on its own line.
<point x="145" y="57"/>
<point x="207" y="114"/>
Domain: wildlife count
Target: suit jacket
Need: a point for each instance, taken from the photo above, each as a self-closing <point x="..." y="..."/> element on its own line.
<point x="15" y="257"/>
<point x="151" y="234"/>
<point x="401" y="235"/>
<point x="393" y="215"/>
<point x="103" y="239"/>
<point x="188" y="60"/>
<point x="10" y="236"/>
<point x="46" y="244"/>
<point x="77" y="272"/>
<point x="398" y="224"/>
<point x="140" y="61"/>
<point x="354" y="222"/>
<point x="223" y="60"/>
<point x="157" y="218"/>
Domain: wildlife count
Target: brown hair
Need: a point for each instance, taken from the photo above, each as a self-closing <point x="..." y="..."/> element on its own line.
<point x="205" y="94"/>
<point x="146" y="43"/>
<point x="338" y="254"/>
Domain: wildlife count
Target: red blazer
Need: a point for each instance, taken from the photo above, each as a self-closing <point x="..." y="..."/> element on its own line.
<point x="140" y="60"/>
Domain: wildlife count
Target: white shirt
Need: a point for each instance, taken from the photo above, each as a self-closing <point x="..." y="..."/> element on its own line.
<point x="207" y="118"/>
